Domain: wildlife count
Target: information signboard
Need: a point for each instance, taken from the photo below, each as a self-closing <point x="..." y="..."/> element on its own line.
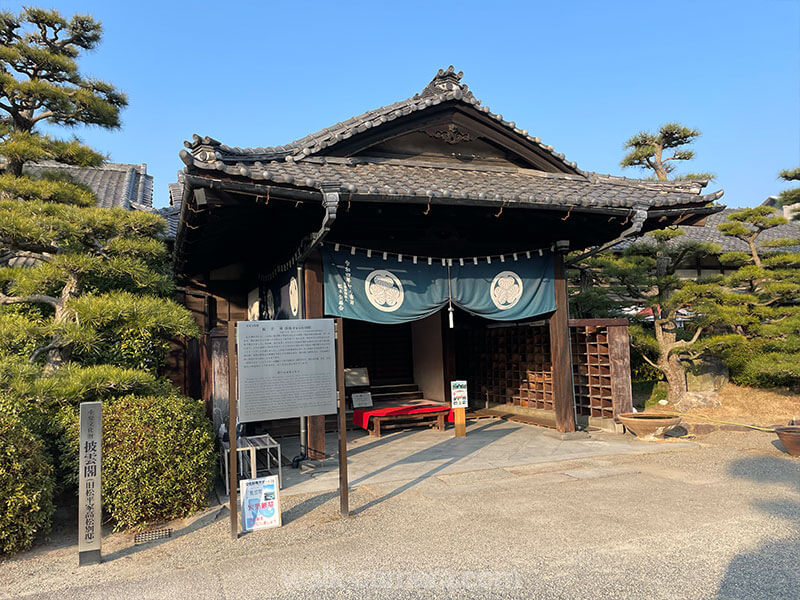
<point x="261" y="503"/>
<point x="90" y="465"/>
<point x="286" y="369"/>
<point x="362" y="399"/>
<point x="458" y="394"/>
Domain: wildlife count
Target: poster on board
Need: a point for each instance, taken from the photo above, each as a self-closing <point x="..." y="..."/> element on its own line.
<point x="261" y="503"/>
<point x="458" y="394"/>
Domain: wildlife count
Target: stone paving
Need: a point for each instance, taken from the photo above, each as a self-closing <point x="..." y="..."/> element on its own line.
<point x="413" y="455"/>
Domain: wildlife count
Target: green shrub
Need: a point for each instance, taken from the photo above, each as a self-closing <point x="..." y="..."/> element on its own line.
<point x="158" y="458"/>
<point x="26" y="487"/>
<point x="773" y="369"/>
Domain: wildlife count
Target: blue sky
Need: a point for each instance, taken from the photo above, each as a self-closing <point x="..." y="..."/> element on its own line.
<point x="583" y="76"/>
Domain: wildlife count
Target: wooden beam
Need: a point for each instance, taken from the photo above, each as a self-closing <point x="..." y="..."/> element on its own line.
<point x="344" y="486"/>
<point x="598" y="322"/>
<point x="563" y="392"/>
<point x="232" y="454"/>
<point x="314" y="309"/>
<point x="619" y="350"/>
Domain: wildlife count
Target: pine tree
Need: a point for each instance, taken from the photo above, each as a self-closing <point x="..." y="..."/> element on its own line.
<point x="642" y="279"/>
<point x="647" y="151"/>
<point x="792" y="195"/>
<point x="40" y="82"/>
<point x="761" y="343"/>
<point x="86" y="309"/>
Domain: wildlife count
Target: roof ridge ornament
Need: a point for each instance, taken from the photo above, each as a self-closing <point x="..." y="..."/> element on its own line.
<point x="446" y="80"/>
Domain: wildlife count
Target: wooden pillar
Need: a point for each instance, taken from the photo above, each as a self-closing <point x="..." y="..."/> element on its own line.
<point x="563" y="392"/>
<point x="619" y="350"/>
<point x="314" y="306"/>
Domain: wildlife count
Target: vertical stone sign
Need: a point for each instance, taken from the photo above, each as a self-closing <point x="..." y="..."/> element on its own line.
<point x="286" y="369"/>
<point x="89" y="505"/>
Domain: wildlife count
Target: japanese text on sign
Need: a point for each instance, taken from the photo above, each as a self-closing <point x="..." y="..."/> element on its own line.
<point x="286" y="369"/>
<point x="458" y="394"/>
<point x="90" y="466"/>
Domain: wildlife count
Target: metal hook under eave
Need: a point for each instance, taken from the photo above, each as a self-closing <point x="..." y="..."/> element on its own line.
<point x="428" y="209"/>
<point x="628" y="218"/>
<point x="500" y="212"/>
<point x="569" y="212"/>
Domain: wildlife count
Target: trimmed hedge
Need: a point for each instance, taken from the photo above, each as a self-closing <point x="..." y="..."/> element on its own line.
<point x="26" y="487"/>
<point x="158" y="458"/>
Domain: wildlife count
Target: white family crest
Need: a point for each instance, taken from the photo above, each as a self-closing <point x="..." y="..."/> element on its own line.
<point x="384" y="290"/>
<point x="270" y="302"/>
<point x="294" y="296"/>
<point x="506" y="289"/>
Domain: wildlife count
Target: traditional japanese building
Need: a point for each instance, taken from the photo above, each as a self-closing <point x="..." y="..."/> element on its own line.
<point x="437" y="229"/>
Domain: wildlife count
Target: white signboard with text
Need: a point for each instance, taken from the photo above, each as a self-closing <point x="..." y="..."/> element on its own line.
<point x="90" y="467"/>
<point x="261" y="503"/>
<point x="458" y="394"/>
<point x="362" y="400"/>
<point x="286" y="369"/>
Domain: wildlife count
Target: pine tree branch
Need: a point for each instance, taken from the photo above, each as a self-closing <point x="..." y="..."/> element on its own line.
<point x="43" y="115"/>
<point x="55" y="344"/>
<point x="28" y="254"/>
<point x="33" y="298"/>
<point x="650" y="362"/>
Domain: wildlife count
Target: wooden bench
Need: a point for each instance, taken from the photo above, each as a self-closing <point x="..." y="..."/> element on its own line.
<point x="434" y="419"/>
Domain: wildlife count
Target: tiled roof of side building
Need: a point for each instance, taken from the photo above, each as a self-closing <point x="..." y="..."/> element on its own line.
<point x="115" y="185"/>
<point x="172" y="212"/>
<point x="709" y="233"/>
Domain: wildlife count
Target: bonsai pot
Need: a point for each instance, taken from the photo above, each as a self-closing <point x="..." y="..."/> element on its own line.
<point x="789" y="435"/>
<point x="648" y="425"/>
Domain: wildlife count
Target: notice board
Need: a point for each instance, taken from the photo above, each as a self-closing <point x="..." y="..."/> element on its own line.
<point x="286" y="369"/>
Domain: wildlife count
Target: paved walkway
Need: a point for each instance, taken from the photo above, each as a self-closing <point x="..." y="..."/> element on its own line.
<point x="720" y="519"/>
<point x="415" y="454"/>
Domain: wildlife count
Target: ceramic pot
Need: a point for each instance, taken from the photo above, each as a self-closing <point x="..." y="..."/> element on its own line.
<point x="789" y="435"/>
<point x="648" y="425"/>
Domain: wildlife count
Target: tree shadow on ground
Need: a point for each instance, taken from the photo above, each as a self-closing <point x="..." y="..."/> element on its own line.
<point x="771" y="570"/>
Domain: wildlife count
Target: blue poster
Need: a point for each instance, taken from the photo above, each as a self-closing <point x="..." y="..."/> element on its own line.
<point x="261" y="507"/>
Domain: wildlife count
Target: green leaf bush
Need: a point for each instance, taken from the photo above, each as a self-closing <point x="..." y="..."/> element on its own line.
<point x="158" y="458"/>
<point x="26" y="487"/>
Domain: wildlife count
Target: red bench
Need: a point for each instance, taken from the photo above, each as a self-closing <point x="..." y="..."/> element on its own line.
<point x="400" y="417"/>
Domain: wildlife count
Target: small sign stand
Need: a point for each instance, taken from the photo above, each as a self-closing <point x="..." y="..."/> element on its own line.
<point x="459" y="403"/>
<point x="90" y="509"/>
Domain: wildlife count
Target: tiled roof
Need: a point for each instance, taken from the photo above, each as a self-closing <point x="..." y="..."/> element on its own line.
<point x="710" y="233"/>
<point x="114" y="184"/>
<point x="172" y="212"/>
<point x="446" y="86"/>
<point x="493" y="185"/>
<point x="300" y="164"/>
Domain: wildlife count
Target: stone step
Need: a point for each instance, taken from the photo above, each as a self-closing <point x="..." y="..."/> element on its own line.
<point x="397" y="396"/>
<point x="392" y="389"/>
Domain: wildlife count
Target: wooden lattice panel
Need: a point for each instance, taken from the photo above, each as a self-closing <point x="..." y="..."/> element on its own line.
<point x="591" y="368"/>
<point x="511" y="365"/>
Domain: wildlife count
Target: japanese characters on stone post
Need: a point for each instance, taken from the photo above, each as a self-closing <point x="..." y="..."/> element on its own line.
<point x="89" y="505"/>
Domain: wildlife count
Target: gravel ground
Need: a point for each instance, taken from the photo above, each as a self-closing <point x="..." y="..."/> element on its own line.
<point x="720" y="520"/>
